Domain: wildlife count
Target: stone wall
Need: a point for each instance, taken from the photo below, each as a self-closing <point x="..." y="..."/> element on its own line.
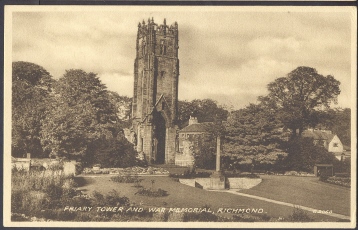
<point x="147" y="142"/>
<point x="243" y="183"/>
<point x="21" y="165"/>
<point x="233" y="183"/>
<point x="204" y="183"/>
<point x="170" y="145"/>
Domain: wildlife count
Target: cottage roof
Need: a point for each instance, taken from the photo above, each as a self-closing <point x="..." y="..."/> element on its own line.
<point x="318" y="135"/>
<point x="199" y="127"/>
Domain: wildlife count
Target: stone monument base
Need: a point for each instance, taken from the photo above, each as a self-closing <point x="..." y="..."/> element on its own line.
<point x="217" y="180"/>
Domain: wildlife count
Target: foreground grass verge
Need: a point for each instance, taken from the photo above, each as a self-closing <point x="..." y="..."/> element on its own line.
<point x="42" y="197"/>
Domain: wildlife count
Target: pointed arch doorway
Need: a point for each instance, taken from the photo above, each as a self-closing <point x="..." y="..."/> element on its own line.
<point x="159" y="139"/>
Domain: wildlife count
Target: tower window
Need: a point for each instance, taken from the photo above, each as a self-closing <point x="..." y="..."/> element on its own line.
<point x="162" y="73"/>
<point x="163" y="47"/>
<point x="143" y="48"/>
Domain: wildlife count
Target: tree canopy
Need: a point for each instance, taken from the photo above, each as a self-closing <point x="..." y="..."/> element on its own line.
<point x="123" y="107"/>
<point x="205" y="110"/>
<point x="303" y="154"/>
<point x="337" y="120"/>
<point x="74" y="117"/>
<point x="31" y="88"/>
<point x="77" y="117"/>
<point x="297" y="96"/>
<point x="80" y="113"/>
<point x="253" y="134"/>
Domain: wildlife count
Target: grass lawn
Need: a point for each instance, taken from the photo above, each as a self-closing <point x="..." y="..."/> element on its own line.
<point x="182" y="196"/>
<point x="305" y="191"/>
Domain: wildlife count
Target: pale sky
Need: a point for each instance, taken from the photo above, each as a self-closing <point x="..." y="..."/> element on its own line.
<point x="228" y="55"/>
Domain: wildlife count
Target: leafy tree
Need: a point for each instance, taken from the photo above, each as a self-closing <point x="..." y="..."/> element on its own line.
<point x="343" y="166"/>
<point x="185" y="110"/>
<point x="123" y="106"/>
<point x="341" y="125"/>
<point x="112" y="152"/>
<point x="338" y="121"/>
<point x="205" y="110"/>
<point x="80" y="114"/>
<point x="31" y="88"/>
<point x="297" y="96"/>
<point x="253" y="135"/>
<point x="205" y="156"/>
<point x="303" y="154"/>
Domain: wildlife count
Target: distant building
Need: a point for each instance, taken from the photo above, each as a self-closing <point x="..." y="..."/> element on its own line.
<point x="329" y="141"/>
<point x="193" y="133"/>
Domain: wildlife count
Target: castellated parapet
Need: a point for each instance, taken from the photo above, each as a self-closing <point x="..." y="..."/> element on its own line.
<point x="155" y="97"/>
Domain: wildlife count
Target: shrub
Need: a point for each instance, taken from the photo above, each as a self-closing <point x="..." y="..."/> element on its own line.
<point x="141" y="163"/>
<point x="80" y="201"/>
<point x="299" y="215"/>
<point x="244" y="218"/>
<point x="110" y="153"/>
<point x="303" y="154"/>
<point x="111" y="198"/>
<point x="342" y="174"/>
<point x="19" y="217"/>
<point x="53" y="191"/>
<point x="25" y="201"/>
<point x="35" y="191"/>
<point x="343" y="181"/>
<point x="152" y="193"/>
<point x="200" y="217"/>
<point x="137" y="184"/>
<point x="79" y="168"/>
<point x="83" y="217"/>
<point x="188" y="175"/>
<point x="126" y="179"/>
<point x="57" y="214"/>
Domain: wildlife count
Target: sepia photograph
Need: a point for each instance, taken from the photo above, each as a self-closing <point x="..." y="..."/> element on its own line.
<point x="180" y="116"/>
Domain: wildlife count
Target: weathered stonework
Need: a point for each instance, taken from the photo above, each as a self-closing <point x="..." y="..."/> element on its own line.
<point x="155" y="97"/>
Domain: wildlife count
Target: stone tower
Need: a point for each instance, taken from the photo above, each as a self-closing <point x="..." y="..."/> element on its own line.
<point x="155" y="97"/>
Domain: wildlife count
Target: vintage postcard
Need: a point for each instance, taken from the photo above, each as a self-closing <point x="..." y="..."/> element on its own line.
<point x="173" y="116"/>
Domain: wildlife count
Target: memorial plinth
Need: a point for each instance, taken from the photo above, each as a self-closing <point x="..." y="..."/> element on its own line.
<point x="217" y="179"/>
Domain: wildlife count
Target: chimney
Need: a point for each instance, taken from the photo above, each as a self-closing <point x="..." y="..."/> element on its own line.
<point x="28" y="155"/>
<point x="193" y="120"/>
<point x="326" y="131"/>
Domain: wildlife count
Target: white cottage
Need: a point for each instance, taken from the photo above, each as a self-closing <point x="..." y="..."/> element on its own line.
<point x="328" y="140"/>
